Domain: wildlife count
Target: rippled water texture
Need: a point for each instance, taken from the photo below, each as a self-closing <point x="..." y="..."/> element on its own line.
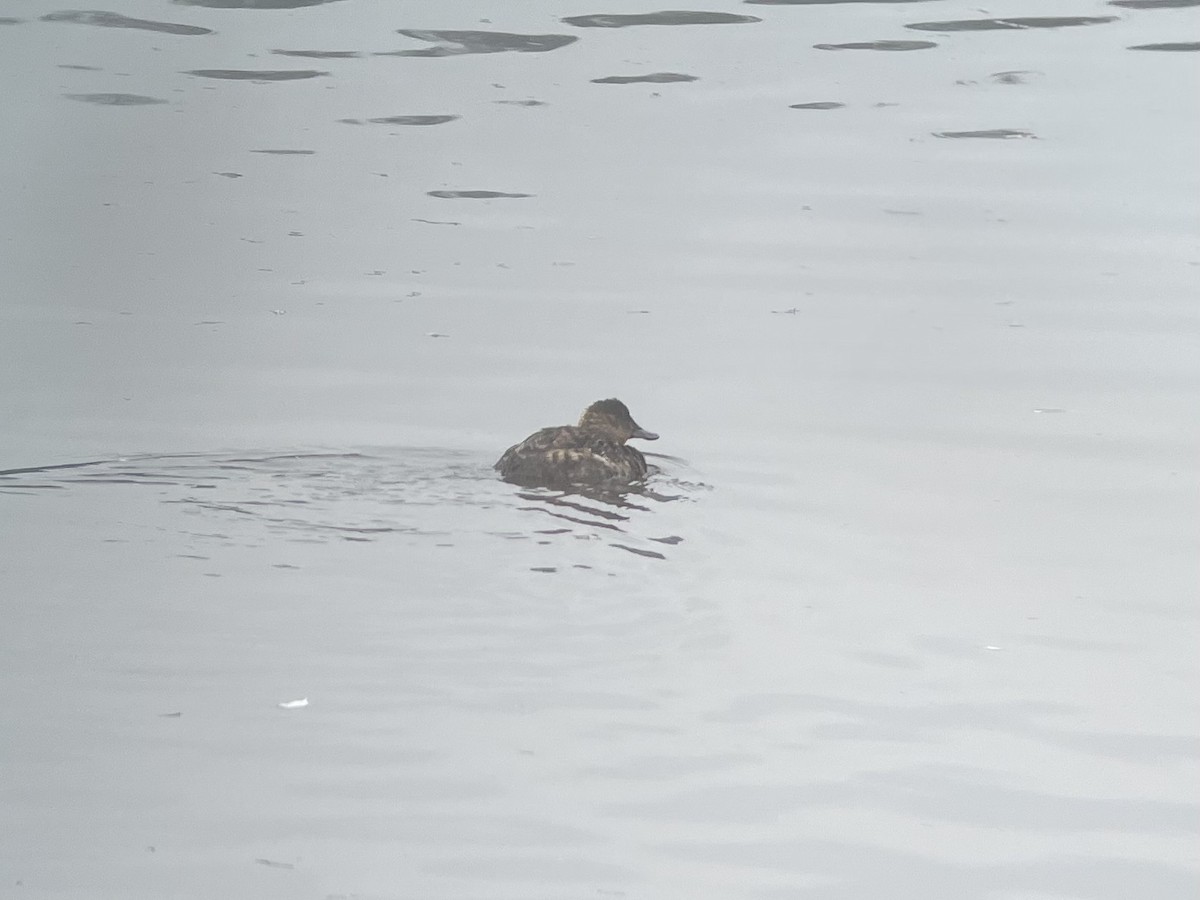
<point x="907" y="606"/>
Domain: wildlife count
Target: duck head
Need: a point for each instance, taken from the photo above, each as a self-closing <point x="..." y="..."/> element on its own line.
<point x="612" y="417"/>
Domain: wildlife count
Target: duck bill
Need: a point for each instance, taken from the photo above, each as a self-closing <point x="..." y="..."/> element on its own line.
<point x="645" y="435"/>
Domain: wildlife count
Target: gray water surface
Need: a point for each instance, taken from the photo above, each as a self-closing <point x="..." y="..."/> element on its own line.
<point x="908" y="606"/>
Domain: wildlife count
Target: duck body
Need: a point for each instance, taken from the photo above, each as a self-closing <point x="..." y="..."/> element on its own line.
<point x="593" y="452"/>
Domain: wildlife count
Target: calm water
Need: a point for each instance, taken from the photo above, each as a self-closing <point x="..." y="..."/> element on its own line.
<point x="907" y="288"/>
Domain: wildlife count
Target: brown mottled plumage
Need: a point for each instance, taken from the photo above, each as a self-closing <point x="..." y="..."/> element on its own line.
<point x="592" y="452"/>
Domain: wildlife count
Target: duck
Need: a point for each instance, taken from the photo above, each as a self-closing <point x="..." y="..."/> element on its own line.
<point x="594" y="452"/>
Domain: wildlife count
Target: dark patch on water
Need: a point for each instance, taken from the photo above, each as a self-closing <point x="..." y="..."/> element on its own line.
<point x="404" y="120"/>
<point x="457" y="43"/>
<point x="476" y="195"/>
<point x="321" y="54"/>
<point x="1175" y="47"/>
<point x="521" y="102"/>
<point x="888" y="46"/>
<point x="116" y="99"/>
<point x="116" y="20"/>
<point x="253" y="4"/>
<point x="819" y="104"/>
<point x="9" y="20"/>
<point x="257" y="74"/>
<point x="287" y="152"/>
<point x="1016" y="76"/>
<point x="652" y="554"/>
<point x="987" y="133"/>
<point x="275" y="864"/>
<point x="80" y="68"/>
<point x="1016" y="23"/>
<point x="667" y="17"/>
<point x="652" y="78"/>
<point x="1154" y="4"/>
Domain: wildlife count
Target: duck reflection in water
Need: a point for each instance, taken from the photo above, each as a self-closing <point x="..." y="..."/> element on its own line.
<point x="593" y="454"/>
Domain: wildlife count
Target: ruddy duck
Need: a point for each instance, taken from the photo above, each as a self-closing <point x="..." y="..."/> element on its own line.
<point x="592" y="452"/>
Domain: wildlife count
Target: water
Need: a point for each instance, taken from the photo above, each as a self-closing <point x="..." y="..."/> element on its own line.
<point x="908" y="609"/>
